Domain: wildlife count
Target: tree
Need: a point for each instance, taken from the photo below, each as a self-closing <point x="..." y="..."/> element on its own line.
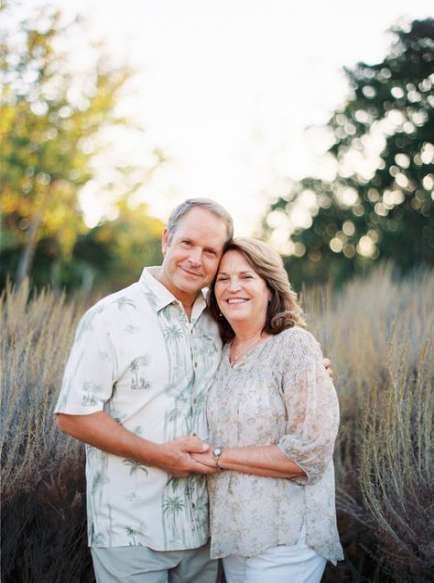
<point x="380" y="204"/>
<point x="49" y="122"/>
<point x="113" y="253"/>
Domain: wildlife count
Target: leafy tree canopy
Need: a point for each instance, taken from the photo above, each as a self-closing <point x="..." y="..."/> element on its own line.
<point x="51" y="121"/>
<point x="380" y="203"/>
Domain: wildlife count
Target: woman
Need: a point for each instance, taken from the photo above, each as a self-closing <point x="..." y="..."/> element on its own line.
<point x="273" y="418"/>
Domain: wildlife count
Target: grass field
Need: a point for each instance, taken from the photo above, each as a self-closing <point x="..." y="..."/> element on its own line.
<point x="378" y="333"/>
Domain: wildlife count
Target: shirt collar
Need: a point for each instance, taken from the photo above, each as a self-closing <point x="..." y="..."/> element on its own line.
<point x="159" y="296"/>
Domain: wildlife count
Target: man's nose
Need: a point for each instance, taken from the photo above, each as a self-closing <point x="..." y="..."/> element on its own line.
<point x="195" y="256"/>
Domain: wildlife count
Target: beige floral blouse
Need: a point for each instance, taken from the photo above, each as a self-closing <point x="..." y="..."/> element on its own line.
<point x="278" y="393"/>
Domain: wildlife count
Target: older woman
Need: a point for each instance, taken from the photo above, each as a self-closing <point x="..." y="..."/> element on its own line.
<point x="273" y="418"/>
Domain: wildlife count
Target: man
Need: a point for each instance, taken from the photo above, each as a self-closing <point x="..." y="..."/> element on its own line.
<point x="134" y="390"/>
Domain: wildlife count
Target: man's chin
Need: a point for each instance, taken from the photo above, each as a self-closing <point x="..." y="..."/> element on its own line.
<point x="190" y="286"/>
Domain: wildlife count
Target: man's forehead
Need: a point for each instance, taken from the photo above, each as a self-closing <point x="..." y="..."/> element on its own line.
<point x="204" y="225"/>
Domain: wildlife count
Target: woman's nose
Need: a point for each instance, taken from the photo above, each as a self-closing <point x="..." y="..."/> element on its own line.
<point x="234" y="284"/>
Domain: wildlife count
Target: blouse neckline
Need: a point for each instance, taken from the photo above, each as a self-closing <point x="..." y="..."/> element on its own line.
<point x="245" y="357"/>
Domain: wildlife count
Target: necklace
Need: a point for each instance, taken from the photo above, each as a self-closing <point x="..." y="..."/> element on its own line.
<point x="236" y="352"/>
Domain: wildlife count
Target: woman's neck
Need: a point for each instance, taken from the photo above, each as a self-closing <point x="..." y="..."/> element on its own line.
<point x="245" y="331"/>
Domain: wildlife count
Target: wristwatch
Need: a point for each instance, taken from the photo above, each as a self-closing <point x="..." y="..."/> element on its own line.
<point x="216" y="454"/>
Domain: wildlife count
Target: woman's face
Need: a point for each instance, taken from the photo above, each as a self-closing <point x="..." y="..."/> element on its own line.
<point x="241" y="294"/>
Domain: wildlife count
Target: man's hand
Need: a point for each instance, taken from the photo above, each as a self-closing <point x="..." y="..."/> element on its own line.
<point x="178" y="458"/>
<point x="103" y="432"/>
<point x="206" y="458"/>
<point x="328" y="366"/>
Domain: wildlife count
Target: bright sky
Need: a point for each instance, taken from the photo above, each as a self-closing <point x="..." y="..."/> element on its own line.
<point x="227" y="89"/>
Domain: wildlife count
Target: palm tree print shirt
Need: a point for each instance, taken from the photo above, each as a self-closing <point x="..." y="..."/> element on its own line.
<point x="137" y="357"/>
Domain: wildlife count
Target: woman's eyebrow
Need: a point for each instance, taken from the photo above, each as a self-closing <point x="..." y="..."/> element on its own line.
<point x="240" y="272"/>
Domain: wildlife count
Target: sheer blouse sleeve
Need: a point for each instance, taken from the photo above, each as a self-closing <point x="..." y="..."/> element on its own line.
<point x="311" y="404"/>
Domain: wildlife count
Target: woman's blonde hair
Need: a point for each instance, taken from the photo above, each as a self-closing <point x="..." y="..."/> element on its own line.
<point x="283" y="309"/>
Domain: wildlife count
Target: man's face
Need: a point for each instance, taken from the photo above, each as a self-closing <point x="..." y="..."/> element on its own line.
<point x="192" y="255"/>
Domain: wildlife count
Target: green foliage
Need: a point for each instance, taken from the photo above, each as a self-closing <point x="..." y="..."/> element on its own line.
<point x="379" y="335"/>
<point x="51" y="121"/>
<point x="380" y="205"/>
<point x="116" y="251"/>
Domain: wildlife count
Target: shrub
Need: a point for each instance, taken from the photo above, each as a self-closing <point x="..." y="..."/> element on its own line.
<point x="378" y="333"/>
<point x="43" y="516"/>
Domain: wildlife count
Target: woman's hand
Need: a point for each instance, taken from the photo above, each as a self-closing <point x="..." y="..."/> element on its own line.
<point x="205" y="458"/>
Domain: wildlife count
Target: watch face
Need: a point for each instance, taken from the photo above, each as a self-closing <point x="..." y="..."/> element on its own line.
<point x="217" y="451"/>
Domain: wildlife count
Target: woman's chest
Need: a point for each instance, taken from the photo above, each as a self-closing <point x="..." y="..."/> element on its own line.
<point x="246" y="405"/>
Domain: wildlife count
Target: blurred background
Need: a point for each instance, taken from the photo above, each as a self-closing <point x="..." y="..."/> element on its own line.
<point x="313" y="124"/>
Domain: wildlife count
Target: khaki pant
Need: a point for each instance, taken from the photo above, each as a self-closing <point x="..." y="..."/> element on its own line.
<point x="144" y="565"/>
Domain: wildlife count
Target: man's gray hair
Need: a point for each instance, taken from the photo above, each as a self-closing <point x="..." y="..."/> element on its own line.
<point x="206" y="203"/>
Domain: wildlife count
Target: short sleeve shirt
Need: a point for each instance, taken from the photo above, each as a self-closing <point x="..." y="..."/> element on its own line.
<point x="138" y="357"/>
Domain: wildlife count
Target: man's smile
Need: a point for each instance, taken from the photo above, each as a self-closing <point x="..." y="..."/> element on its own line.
<point x="191" y="273"/>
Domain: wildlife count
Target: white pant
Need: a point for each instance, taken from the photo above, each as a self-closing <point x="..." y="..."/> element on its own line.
<point x="282" y="564"/>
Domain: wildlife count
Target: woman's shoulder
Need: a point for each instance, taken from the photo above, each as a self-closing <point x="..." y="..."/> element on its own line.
<point x="297" y="339"/>
<point x="296" y="334"/>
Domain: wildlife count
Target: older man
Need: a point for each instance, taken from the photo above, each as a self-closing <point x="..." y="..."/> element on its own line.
<point x="134" y="390"/>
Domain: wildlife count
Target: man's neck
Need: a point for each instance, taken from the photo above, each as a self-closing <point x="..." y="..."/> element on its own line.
<point x="187" y="300"/>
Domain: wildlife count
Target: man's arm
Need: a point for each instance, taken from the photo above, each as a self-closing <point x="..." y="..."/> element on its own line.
<point x="102" y="431"/>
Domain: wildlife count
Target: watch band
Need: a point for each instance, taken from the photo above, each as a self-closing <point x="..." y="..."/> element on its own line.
<point x="216" y="454"/>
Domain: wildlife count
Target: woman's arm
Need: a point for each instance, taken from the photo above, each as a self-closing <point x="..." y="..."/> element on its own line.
<point x="267" y="460"/>
<point x="306" y="449"/>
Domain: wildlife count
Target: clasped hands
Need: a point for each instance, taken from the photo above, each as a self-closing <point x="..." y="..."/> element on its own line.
<point x="188" y="455"/>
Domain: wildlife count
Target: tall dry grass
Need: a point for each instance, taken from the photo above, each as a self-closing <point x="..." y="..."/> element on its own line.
<point x="43" y="519"/>
<point x="379" y="334"/>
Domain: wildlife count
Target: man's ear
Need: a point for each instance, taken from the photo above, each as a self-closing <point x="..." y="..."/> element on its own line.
<point x="164" y="241"/>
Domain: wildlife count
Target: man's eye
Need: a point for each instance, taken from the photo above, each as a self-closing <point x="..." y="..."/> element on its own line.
<point x="210" y="252"/>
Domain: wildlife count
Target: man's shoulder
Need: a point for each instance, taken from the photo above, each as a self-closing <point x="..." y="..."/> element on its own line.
<point x="119" y="302"/>
<point x="209" y="325"/>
